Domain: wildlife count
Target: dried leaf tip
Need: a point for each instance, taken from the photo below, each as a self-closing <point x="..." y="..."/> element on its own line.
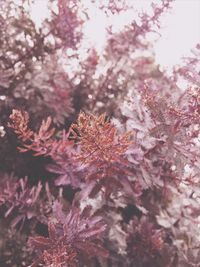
<point x="19" y="123"/>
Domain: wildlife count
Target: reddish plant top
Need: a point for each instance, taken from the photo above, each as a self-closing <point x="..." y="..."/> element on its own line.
<point x="98" y="139"/>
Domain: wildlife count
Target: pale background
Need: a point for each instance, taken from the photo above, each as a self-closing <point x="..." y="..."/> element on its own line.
<point x="180" y="28"/>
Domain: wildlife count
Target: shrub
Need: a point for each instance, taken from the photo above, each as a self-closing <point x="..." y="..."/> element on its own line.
<point x="99" y="153"/>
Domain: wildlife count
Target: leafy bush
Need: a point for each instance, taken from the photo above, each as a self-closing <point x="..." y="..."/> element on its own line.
<point x="99" y="153"/>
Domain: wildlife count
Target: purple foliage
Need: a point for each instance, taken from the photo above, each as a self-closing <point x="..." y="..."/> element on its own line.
<point x="108" y="143"/>
<point x="69" y="235"/>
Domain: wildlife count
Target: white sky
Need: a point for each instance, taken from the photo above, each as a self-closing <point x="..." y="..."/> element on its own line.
<point x="180" y="28"/>
<point x="180" y="33"/>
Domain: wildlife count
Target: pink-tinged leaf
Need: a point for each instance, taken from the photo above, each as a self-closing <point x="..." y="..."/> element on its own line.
<point x="54" y="168"/>
<point x="9" y="211"/>
<point x="72" y="220"/>
<point x="95" y="220"/>
<point x="37" y="192"/>
<point x="41" y="242"/>
<point x="57" y="211"/>
<point x="93" y="232"/>
<point x="52" y="231"/>
<point x="63" y="180"/>
<point x="17" y="220"/>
